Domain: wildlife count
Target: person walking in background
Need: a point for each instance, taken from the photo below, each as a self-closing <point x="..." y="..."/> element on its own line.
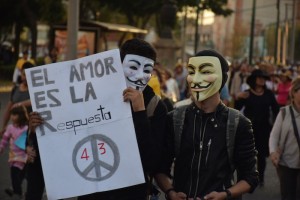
<point x="52" y="57"/>
<point x="257" y="102"/>
<point x="17" y="156"/>
<point x="17" y="72"/>
<point x="196" y="140"/>
<point x="283" y="87"/>
<point x="158" y="75"/>
<point x="180" y="74"/>
<point x="171" y="86"/>
<point x="285" y="147"/>
<point x="18" y="96"/>
<point x="238" y="83"/>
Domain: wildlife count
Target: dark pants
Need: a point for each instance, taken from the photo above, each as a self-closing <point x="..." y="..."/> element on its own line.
<point x="289" y="183"/>
<point x="35" y="181"/>
<point x="17" y="177"/>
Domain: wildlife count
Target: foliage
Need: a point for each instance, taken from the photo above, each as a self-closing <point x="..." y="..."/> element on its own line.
<point x="137" y="12"/>
<point x="27" y="13"/>
<point x="216" y="6"/>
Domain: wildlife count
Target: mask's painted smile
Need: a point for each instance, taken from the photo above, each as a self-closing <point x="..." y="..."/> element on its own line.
<point x="138" y="82"/>
<point x="198" y="87"/>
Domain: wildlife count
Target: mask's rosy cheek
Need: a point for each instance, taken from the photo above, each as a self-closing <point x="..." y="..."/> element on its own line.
<point x="211" y="78"/>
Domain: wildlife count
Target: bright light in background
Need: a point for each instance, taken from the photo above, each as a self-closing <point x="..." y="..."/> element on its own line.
<point x="208" y="16"/>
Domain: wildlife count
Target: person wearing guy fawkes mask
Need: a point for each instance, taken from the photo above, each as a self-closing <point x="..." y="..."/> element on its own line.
<point x="149" y="114"/>
<point x="202" y="169"/>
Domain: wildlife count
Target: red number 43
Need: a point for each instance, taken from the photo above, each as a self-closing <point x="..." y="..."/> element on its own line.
<point x="85" y="155"/>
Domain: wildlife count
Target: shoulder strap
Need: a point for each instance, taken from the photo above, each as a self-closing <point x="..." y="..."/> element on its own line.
<point x="232" y="124"/>
<point x="295" y="126"/>
<point x="152" y="105"/>
<point x="283" y="111"/>
<point x="178" y="121"/>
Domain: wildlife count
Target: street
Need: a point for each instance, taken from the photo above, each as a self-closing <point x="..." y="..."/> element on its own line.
<point x="270" y="191"/>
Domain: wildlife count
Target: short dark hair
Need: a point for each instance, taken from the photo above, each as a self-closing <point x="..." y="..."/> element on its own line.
<point x="139" y="47"/>
<point x="27" y="65"/>
<point x="22" y="113"/>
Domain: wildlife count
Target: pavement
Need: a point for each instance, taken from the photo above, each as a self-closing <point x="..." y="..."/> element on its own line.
<point x="270" y="191"/>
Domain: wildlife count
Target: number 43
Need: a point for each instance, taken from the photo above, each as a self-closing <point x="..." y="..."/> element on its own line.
<point x="85" y="155"/>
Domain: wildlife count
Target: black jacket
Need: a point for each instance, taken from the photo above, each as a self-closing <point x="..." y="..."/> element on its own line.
<point x="150" y="136"/>
<point x="199" y="172"/>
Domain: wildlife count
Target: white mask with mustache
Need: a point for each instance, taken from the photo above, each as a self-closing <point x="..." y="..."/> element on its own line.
<point x="137" y="71"/>
<point x="204" y="76"/>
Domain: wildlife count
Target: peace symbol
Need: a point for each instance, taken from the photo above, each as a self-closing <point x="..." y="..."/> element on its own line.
<point x="94" y="170"/>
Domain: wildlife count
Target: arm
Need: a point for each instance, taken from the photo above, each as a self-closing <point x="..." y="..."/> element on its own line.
<point x="275" y="151"/>
<point x="274" y="104"/>
<point x="165" y="184"/>
<point x="34" y="121"/>
<point x="237" y="190"/>
<point x="5" y="139"/>
<point x="6" y="116"/>
<point x="16" y="74"/>
<point x="245" y="163"/>
<point x="148" y="132"/>
<point x="245" y="157"/>
<point x="25" y="103"/>
<point x="241" y="98"/>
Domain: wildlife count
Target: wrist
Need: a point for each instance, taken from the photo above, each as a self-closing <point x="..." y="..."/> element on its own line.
<point x="228" y="194"/>
<point x="168" y="192"/>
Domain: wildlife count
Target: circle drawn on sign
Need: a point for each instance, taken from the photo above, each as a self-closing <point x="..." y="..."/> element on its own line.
<point x="96" y="164"/>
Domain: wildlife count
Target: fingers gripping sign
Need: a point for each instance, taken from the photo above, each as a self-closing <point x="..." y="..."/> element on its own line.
<point x="135" y="97"/>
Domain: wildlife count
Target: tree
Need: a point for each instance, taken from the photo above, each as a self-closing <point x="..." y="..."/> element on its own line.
<point x="27" y="13"/>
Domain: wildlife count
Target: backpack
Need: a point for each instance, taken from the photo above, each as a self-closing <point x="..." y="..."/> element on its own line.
<point x="232" y="123"/>
<point x="152" y="105"/>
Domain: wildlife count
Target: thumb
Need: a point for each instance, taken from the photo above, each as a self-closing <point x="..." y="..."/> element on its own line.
<point x="181" y="195"/>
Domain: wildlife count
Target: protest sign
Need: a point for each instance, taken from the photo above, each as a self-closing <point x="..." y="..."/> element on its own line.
<point x="87" y="143"/>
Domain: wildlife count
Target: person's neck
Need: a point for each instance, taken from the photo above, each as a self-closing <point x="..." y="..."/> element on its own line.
<point x="258" y="90"/>
<point x="297" y="106"/>
<point x="210" y="104"/>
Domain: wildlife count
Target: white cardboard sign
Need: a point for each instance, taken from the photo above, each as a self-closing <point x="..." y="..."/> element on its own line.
<point x="87" y="143"/>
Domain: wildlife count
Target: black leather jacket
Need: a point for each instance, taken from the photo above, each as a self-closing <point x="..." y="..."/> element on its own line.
<point x="202" y="166"/>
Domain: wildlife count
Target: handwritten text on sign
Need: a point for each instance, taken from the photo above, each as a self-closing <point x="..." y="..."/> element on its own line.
<point x="81" y="85"/>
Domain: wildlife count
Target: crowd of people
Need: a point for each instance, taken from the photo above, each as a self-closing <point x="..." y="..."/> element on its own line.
<point x="196" y="125"/>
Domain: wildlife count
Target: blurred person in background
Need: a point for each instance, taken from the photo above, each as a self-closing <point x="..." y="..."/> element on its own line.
<point x="171" y="89"/>
<point x="285" y="147"/>
<point x="238" y="83"/>
<point x="180" y="74"/>
<point x="19" y="96"/>
<point x="283" y="87"/>
<point x="52" y="57"/>
<point x="257" y="102"/>
<point x="17" y="155"/>
<point x="17" y="72"/>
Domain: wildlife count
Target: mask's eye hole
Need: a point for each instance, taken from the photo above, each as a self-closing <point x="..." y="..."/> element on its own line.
<point x="191" y="72"/>
<point x="133" y="67"/>
<point x="206" y="72"/>
<point x="147" y="71"/>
